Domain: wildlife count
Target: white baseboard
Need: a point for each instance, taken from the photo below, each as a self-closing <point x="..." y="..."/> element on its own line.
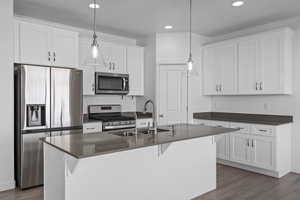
<point x="297" y="171"/>
<point x="274" y="174"/>
<point x="7" y="186"/>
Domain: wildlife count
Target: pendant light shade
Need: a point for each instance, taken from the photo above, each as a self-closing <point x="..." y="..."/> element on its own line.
<point x="190" y="59"/>
<point x="95" y="45"/>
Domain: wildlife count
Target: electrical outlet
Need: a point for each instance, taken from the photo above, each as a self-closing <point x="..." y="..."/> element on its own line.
<point x="266" y="106"/>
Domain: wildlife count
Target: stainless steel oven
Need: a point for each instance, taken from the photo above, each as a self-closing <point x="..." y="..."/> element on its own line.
<point x="111" y="83"/>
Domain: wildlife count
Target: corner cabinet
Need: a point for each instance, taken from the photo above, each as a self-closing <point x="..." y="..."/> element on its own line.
<point x="45" y="45"/>
<point x="135" y="69"/>
<point x="220" y="69"/>
<point x="252" y="65"/>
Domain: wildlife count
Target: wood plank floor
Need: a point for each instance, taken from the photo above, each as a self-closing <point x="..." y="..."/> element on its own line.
<point x="233" y="184"/>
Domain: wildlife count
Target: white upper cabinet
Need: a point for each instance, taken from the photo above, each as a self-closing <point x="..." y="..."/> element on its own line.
<point x="44" y="45"/>
<point x="34" y="44"/>
<point x="248" y="66"/>
<point x="64" y="45"/>
<point x="118" y="58"/>
<point x="111" y="59"/>
<point x="135" y="69"/>
<point x="257" y="64"/>
<point x="220" y="68"/>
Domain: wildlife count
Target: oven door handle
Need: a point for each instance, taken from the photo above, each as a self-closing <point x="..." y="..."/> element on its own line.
<point x="118" y="127"/>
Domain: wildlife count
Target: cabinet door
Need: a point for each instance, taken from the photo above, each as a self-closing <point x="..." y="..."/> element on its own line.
<point x="118" y="58"/>
<point x="248" y="66"/>
<point x="239" y="148"/>
<point x="227" y="63"/>
<point x="34" y="44"/>
<point x="223" y="142"/>
<point x="263" y="152"/>
<point x="271" y="48"/>
<point x="135" y="69"/>
<point x="211" y="72"/>
<point x="64" y="48"/>
<point x="88" y="80"/>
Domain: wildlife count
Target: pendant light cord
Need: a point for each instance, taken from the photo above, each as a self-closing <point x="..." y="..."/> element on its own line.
<point x="94" y="25"/>
<point x="190" y="57"/>
<point x="190" y="28"/>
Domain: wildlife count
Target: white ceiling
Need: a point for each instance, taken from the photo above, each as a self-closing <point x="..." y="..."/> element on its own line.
<point x="136" y="18"/>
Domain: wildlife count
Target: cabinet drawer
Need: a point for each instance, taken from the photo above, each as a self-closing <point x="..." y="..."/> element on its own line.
<point x="244" y="128"/>
<point x="92" y="128"/>
<point x="263" y="130"/>
<point x="143" y="123"/>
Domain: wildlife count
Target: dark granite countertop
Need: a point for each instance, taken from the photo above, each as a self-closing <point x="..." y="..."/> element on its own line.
<point x="274" y="120"/>
<point x="95" y="144"/>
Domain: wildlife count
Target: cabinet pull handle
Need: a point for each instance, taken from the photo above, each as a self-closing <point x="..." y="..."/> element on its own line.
<point x="221" y="88"/>
<point x="248" y="143"/>
<point x="217" y="88"/>
<point x="54" y="56"/>
<point x="252" y="143"/>
<point x="161" y="115"/>
<point x="261" y="86"/>
<point x="262" y="130"/>
<point x="256" y="86"/>
<point x="93" y="87"/>
<point x="90" y="128"/>
<point x="49" y="55"/>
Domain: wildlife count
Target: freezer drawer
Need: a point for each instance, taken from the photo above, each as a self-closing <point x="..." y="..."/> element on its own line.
<point x="32" y="158"/>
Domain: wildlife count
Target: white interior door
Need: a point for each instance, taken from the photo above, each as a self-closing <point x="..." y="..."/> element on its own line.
<point x="172" y="88"/>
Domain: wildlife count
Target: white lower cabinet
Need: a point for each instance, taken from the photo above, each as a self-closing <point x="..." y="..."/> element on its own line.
<point x="94" y="127"/>
<point x="239" y="148"/>
<point x="255" y="147"/>
<point x="263" y="152"/>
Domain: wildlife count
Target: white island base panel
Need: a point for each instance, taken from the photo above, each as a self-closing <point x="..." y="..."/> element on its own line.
<point x="180" y="170"/>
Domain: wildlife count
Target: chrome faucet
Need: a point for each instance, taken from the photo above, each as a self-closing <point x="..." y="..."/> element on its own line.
<point x="154" y="122"/>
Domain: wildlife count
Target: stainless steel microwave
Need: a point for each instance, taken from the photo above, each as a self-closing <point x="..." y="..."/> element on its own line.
<point x="111" y="83"/>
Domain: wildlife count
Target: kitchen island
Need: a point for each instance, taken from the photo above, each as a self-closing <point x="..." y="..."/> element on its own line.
<point x="177" y="163"/>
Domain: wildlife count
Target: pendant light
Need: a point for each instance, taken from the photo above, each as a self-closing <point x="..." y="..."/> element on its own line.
<point x="190" y="59"/>
<point x="95" y="45"/>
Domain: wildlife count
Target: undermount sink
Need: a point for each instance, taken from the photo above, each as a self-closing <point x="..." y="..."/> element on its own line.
<point x="146" y="132"/>
<point x="139" y="132"/>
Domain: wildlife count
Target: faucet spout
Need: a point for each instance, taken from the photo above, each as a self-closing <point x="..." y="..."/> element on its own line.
<point x="154" y="123"/>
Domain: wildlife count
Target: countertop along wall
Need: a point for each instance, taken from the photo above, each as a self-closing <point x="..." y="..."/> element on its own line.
<point x="7" y="100"/>
<point x="280" y="104"/>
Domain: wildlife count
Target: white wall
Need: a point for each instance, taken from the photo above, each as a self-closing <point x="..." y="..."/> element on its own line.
<point x="172" y="48"/>
<point x="283" y="105"/>
<point x="6" y="88"/>
<point x="149" y="70"/>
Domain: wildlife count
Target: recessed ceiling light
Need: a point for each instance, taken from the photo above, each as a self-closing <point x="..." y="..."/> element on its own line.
<point x="168" y="27"/>
<point x="94" y="5"/>
<point x="238" y="3"/>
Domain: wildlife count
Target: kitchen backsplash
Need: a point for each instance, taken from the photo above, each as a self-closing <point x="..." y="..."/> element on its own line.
<point x="128" y="103"/>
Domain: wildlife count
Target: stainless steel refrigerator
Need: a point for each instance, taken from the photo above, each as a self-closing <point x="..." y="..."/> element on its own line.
<point x="48" y="101"/>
